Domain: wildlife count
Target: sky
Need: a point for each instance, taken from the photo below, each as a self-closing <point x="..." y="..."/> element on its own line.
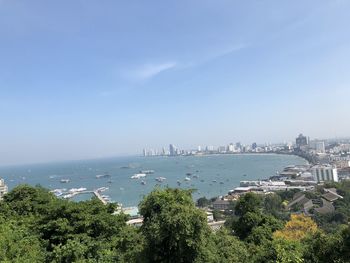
<point x="87" y="79"/>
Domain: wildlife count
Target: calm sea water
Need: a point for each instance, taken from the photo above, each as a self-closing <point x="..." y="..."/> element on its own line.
<point x="217" y="174"/>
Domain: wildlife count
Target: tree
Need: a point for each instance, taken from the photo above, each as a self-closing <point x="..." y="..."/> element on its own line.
<point x="250" y="202"/>
<point x="174" y="229"/>
<point x="203" y="202"/>
<point x="229" y="248"/>
<point x="272" y="203"/>
<point x="28" y="200"/>
<point x="18" y="244"/>
<point x="287" y="251"/>
<point x="297" y="228"/>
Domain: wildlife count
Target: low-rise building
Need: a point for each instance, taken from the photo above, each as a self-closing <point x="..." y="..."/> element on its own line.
<point x="221" y="204"/>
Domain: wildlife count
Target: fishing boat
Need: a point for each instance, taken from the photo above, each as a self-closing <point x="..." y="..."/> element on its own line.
<point x="187" y="179"/>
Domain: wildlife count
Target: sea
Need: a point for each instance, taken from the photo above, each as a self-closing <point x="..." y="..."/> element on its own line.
<point x="210" y="175"/>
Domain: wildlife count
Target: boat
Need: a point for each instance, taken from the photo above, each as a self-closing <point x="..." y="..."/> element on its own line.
<point x="195" y="176"/>
<point x="65" y="180"/>
<point x="160" y="179"/>
<point x="178" y="183"/>
<point x="143" y="182"/>
<point x="214" y="181"/>
<point x="101" y="189"/>
<point x="147" y="171"/>
<point x="102" y="175"/>
<point x="138" y="176"/>
<point x="187" y="179"/>
<point x="221" y="182"/>
<point x="188" y="174"/>
<point x="109" y="181"/>
<point x="68" y="196"/>
<point x="202" y="180"/>
<point x="77" y="190"/>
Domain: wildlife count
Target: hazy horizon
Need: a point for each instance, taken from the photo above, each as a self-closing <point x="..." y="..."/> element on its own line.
<point x="91" y="79"/>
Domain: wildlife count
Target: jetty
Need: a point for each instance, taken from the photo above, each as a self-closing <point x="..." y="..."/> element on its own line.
<point x="98" y="195"/>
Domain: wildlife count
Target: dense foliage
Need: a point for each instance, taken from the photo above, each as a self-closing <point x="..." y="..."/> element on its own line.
<point x="35" y="226"/>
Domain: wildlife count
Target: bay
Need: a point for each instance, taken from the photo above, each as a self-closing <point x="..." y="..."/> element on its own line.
<point x="216" y="174"/>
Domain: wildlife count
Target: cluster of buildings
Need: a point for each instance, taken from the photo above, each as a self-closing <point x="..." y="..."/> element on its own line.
<point x="329" y="161"/>
<point x="231" y="148"/>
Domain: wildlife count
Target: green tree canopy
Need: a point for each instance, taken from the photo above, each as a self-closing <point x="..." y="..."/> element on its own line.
<point x="174" y="229"/>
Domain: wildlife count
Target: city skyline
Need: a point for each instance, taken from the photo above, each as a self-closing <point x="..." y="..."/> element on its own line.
<point x="89" y="80"/>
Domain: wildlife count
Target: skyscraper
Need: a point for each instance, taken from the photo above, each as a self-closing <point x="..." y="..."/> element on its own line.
<point x="172" y="150"/>
<point x="301" y="140"/>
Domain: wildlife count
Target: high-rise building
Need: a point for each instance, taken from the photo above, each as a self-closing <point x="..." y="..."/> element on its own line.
<point x="172" y="150"/>
<point x="222" y="149"/>
<point x="325" y="173"/>
<point x="318" y="146"/>
<point x="231" y="148"/>
<point x="3" y="188"/>
<point x="254" y="146"/>
<point x="199" y="149"/>
<point x="301" y="140"/>
<point x="144" y="152"/>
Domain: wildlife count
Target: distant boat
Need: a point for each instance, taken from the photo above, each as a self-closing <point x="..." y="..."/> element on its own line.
<point x="202" y="180"/>
<point x="109" y="181"/>
<point x="178" y="183"/>
<point x="214" y="181"/>
<point x="187" y="179"/>
<point x="188" y="174"/>
<point x="143" y="182"/>
<point x="195" y="176"/>
<point x="147" y="171"/>
<point x="160" y="179"/>
<point x="244" y="175"/>
<point x="102" y="175"/>
<point x="65" y="180"/>
<point x="221" y="182"/>
<point x="138" y="176"/>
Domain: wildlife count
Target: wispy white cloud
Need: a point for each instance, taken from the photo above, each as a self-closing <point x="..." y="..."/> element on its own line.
<point x="213" y="55"/>
<point x="149" y="71"/>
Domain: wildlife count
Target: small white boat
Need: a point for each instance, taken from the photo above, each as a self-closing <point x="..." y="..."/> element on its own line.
<point x="68" y="196"/>
<point x="65" y="180"/>
<point x="147" y="171"/>
<point x="160" y="179"/>
<point x="187" y="179"/>
<point x="138" y="176"/>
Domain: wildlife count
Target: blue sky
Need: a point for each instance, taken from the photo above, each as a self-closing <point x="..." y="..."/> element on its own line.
<point x="85" y="79"/>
